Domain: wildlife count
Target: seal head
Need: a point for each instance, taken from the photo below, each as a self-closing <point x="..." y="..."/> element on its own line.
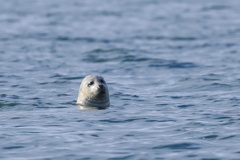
<point x="93" y="93"/>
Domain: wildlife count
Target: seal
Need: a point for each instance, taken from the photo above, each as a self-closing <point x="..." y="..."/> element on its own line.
<point x="93" y="93"/>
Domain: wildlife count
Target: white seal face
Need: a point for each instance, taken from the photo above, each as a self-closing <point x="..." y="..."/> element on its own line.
<point x="93" y="93"/>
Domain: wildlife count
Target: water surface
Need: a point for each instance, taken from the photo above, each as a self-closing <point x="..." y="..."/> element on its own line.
<point x="172" y="68"/>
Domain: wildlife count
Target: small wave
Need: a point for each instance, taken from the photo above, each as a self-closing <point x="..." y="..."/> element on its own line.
<point x="228" y="137"/>
<point x="185" y="106"/>
<point x="72" y="78"/>
<point x="8" y="104"/>
<point x="157" y="38"/>
<point x="179" y="146"/>
<point x="83" y="39"/>
<point x="210" y="137"/>
<point x="171" y="64"/>
<point x="122" y="121"/>
<point x="215" y="7"/>
<point x="13" y="147"/>
<point x="122" y="157"/>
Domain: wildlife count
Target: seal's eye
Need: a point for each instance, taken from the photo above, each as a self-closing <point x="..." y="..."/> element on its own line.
<point x="91" y="83"/>
<point x="102" y="81"/>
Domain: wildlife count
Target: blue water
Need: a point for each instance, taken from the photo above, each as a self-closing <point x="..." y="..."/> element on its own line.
<point x="172" y="68"/>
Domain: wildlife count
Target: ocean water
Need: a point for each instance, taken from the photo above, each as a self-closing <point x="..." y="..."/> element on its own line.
<point x="172" y="68"/>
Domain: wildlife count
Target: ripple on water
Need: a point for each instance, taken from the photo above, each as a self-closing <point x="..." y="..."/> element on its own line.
<point x="13" y="147"/>
<point x="172" y="69"/>
<point x="117" y="55"/>
<point x="179" y="146"/>
<point x="7" y="104"/>
<point x="171" y="64"/>
<point x="83" y="39"/>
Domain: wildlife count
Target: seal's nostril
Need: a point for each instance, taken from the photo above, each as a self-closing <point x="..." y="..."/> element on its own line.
<point x="100" y="86"/>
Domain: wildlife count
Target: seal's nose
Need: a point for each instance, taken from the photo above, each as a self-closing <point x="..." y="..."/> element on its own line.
<point x="100" y="86"/>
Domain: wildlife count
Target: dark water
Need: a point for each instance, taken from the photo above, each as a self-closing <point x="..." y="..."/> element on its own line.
<point x="172" y="67"/>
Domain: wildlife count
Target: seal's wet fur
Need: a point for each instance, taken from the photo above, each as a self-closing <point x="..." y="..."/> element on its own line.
<point x="93" y="93"/>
